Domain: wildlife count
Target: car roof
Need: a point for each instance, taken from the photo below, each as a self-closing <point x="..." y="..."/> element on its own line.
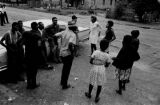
<point x="46" y="22"/>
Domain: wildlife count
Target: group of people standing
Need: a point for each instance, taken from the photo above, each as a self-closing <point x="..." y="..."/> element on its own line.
<point x="3" y="15"/>
<point x="101" y="58"/>
<point x="27" y="50"/>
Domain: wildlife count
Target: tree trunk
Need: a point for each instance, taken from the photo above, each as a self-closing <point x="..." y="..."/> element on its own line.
<point x="17" y="1"/>
<point x="61" y="3"/>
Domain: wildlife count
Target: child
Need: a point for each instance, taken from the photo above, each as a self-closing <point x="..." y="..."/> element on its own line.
<point x="110" y="36"/>
<point x="94" y="33"/>
<point x="99" y="59"/>
<point x="123" y="62"/>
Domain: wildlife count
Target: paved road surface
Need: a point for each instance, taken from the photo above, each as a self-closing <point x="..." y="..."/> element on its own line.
<point x="144" y="88"/>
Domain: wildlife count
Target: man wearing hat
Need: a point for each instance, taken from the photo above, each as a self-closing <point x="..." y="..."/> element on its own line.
<point x="68" y="41"/>
<point x="74" y="20"/>
<point x="49" y="33"/>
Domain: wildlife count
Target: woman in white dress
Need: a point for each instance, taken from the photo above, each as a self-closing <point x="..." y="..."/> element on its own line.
<point x="94" y="33"/>
<point x="100" y="60"/>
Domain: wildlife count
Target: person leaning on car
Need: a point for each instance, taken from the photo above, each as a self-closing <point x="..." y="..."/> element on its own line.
<point x="32" y="41"/>
<point x="11" y="39"/>
<point x="44" y="64"/>
<point x="49" y="33"/>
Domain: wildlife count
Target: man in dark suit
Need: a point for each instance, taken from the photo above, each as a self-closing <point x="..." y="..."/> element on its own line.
<point x="32" y="41"/>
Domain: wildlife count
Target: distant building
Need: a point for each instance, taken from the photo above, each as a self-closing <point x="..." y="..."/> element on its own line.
<point x="93" y="4"/>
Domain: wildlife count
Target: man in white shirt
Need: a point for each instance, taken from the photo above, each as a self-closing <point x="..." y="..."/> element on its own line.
<point x="68" y="42"/>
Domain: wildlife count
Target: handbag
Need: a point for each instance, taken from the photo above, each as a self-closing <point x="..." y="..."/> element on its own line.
<point x="137" y="56"/>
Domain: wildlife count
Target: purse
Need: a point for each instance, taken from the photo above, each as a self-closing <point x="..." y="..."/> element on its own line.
<point x="137" y="56"/>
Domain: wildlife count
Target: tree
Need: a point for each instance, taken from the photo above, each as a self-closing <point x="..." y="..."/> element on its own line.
<point x="60" y="2"/>
<point x="142" y="6"/>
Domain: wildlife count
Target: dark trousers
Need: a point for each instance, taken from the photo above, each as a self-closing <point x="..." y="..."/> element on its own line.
<point x="122" y="85"/>
<point x="42" y="56"/>
<point x="2" y="19"/>
<point x="67" y="64"/>
<point x="31" y="75"/>
<point x="12" y="66"/>
<point x="93" y="47"/>
<point x="6" y="17"/>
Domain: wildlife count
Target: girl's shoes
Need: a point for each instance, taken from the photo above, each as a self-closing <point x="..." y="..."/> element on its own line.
<point x="97" y="99"/>
<point x="87" y="95"/>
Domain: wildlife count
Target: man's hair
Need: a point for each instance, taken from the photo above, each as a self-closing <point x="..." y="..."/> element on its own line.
<point x="54" y="18"/>
<point x="135" y="33"/>
<point x="74" y="17"/>
<point x="94" y="17"/>
<point x="14" y="24"/>
<point x="20" y="21"/>
<point x="110" y="23"/>
<point x="40" y="23"/>
<point x="104" y="44"/>
<point x="34" y="24"/>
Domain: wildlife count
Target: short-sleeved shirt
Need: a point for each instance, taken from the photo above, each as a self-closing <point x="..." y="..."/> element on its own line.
<point x="51" y="30"/>
<point x="67" y="37"/>
<point x="94" y="32"/>
<point x="101" y="56"/>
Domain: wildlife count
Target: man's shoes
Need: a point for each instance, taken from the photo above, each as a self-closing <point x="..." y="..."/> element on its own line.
<point x="33" y="87"/>
<point x="87" y="95"/>
<point x="20" y="79"/>
<point x="119" y="92"/>
<point x="49" y="67"/>
<point x="128" y="81"/>
<point x="66" y="87"/>
<point x="97" y="99"/>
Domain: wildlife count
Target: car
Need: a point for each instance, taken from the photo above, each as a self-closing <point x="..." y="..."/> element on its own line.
<point x="83" y="31"/>
<point x="83" y="34"/>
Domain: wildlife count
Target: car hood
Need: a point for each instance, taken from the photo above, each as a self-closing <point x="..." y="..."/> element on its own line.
<point x="46" y="22"/>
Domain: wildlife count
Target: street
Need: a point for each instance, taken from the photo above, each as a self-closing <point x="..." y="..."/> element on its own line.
<point x="144" y="88"/>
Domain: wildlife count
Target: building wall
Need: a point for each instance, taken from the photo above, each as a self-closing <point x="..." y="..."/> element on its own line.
<point x="100" y="4"/>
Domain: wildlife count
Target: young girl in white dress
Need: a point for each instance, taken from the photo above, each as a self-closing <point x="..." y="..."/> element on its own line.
<point x="100" y="61"/>
<point x="95" y="30"/>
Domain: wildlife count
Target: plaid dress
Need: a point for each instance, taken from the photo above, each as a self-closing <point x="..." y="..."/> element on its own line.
<point x="97" y="72"/>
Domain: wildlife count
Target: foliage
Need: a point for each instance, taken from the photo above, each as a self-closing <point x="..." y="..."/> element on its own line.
<point x="119" y="10"/>
<point x="142" y="6"/>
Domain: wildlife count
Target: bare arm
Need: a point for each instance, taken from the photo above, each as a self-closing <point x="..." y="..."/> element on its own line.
<point x="114" y="37"/>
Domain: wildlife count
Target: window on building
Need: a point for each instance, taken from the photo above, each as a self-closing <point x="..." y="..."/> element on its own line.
<point x="111" y="2"/>
<point x="104" y="2"/>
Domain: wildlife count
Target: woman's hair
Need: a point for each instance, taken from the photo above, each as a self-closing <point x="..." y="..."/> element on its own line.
<point x="127" y="39"/>
<point x="135" y="33"/>
<point x="104" y="44"/>
<point x="110" y="23"/>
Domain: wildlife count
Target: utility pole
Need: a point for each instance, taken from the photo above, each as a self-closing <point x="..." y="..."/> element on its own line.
<point x="61" y="3"/>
